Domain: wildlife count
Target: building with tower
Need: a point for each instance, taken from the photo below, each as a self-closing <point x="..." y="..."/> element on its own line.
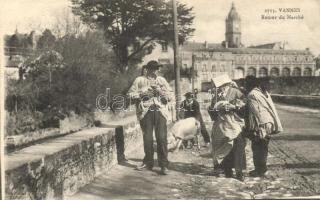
<point x="233" y="29"/>
<point x="233" y="58"/>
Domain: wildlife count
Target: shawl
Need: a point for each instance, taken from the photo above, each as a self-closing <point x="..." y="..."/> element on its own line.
<point x="261" y="110"/>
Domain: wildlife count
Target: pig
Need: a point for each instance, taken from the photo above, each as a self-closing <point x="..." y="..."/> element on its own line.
<point x="182" y="130"/>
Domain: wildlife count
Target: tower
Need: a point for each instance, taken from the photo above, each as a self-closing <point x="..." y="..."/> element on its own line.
<point x="233" y="28"/>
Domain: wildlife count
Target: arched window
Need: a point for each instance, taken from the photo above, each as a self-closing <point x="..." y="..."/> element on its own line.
<point x="307" y="71"/>
<point x="252" y="71"/>
<point x="213" y="69"/>
<point x="263" y="72"/>
<point x="296" y="72"/>
<point x="239" y="73"/>
<point x="274" y="72"/>
<point x="286" y="71"/>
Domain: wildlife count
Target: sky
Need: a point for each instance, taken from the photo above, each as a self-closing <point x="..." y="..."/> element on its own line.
<point x="209" y="20"/>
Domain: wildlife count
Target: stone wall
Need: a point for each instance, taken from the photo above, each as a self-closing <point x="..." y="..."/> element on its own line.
<point x="58" y="168"/>
<point x="292" y="85"/>
<point x="306" y="101"/>
<point x="69" y="124"/>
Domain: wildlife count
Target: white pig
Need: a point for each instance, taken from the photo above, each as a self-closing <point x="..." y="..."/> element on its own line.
<point x="184" y="129"/>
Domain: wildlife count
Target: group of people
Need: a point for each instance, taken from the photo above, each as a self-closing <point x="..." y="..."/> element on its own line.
<point x="237" y="114"/>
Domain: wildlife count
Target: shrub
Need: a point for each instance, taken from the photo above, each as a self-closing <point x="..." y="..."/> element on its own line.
<point x="67" y="79"/>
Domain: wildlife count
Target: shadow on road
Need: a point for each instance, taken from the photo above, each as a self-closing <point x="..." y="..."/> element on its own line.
<point x="185" y="168"/>
<point x="137" y="187"/>
<point x="127" y="164"/>
<point x="190" y="168"/>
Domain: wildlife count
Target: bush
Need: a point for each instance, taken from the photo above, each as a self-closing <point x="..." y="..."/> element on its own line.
<point x="64" y="80"/>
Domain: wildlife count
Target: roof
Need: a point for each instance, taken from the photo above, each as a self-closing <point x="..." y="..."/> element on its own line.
<point x="273" y="45"/>
<point x="233" y="14"/>
<point x="258" y="51"/>
<point x="194" y="46"/>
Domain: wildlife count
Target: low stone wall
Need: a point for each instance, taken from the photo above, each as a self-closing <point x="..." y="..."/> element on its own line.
<point x="69" y="124"/>
<point x="57" y="168"/>
<point x="299" y="100"/>
<point x="291" y="85"/>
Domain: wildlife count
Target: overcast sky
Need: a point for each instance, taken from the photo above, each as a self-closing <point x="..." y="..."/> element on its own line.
<point x="209" y="22"/>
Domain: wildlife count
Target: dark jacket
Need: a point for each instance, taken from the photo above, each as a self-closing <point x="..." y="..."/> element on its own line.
<point x="190" y="110"/>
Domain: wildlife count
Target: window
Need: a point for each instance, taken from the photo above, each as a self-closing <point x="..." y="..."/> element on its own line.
<point x="164" y="46"/>
<point x="307" y="72"/>
<point x="204" y="67"/>
<point x="263" y="72"/>
<point x="252" y="71"/>
<point x="286" y="72"/>
<point x="213" y="69"/>
<point x="296" y="72"/>
<point x="239" y="73"/>
<point x="274" y="72"/>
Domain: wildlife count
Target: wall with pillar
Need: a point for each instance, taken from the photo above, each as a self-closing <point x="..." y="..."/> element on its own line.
<point x="59" y="167"/>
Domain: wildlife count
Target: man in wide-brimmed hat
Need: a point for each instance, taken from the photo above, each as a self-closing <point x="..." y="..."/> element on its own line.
<point x="262" y="121"/>
<point x="152" y="94"/>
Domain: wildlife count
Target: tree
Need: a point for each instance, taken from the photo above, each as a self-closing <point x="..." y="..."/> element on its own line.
<point x="46" y="40"/>
<point x="127" y="23"/>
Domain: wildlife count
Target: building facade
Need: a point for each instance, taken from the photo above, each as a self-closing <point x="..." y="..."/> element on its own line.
<point x="232" y="58"/>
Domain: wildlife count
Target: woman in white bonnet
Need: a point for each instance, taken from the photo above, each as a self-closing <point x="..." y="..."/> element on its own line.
<point x="228" y="144"/>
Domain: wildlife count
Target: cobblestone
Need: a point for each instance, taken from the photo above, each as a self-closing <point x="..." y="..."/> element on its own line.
<point x="190" y="178"/>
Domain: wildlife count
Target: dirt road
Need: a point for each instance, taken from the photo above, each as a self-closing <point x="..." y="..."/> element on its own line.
<point x="297" y="151"/>
<point x="293" y="171"/>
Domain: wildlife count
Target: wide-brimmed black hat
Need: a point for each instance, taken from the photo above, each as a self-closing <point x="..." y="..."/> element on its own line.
<point x="153" y="65"/>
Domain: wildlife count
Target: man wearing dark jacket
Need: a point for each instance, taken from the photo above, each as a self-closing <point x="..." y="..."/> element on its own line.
<point x="191" y="108"/>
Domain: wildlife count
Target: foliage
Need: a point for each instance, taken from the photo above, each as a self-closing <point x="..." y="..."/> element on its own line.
<point x="134" y="24"/>
<point x="46" y="40"/>
<point x="67" y="79"/>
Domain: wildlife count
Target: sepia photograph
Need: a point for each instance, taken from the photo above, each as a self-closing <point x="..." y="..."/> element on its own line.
<point x="160" y="99"/>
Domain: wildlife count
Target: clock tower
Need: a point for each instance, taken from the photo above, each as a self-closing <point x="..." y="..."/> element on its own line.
<point x="233" y="29"/>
